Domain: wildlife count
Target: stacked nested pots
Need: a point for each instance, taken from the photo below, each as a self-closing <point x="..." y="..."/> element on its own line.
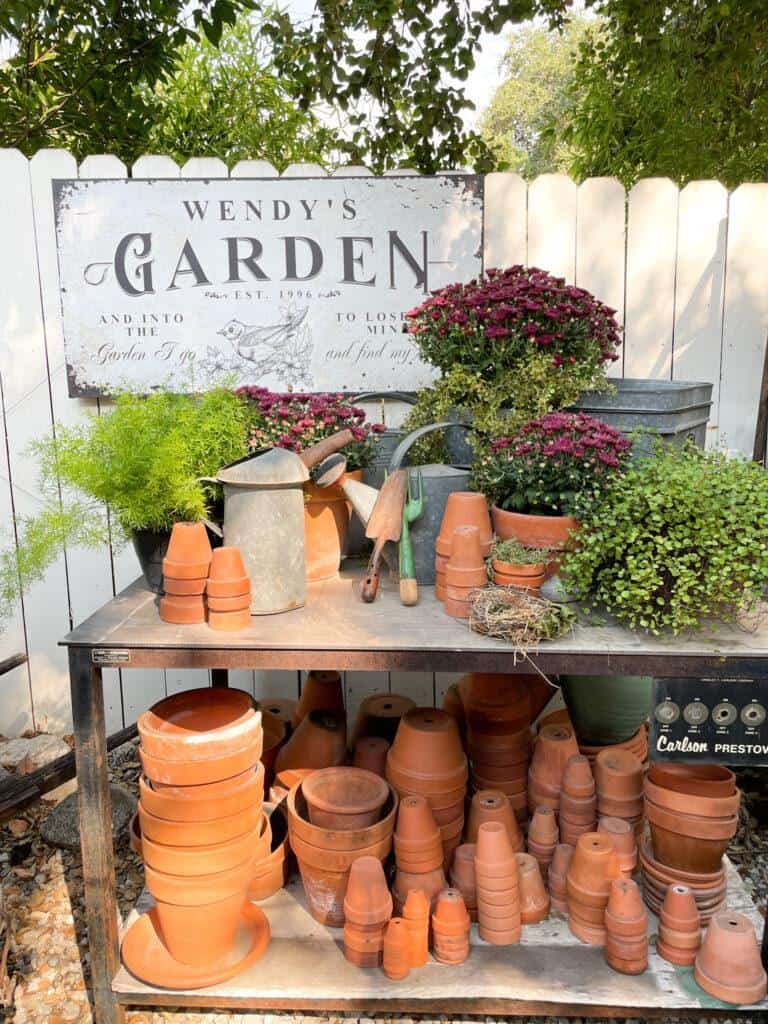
<point x="692" y="811"/>
<point x="578" y="800"/>
<point x="465" y="571"/>
<point x="203" y="828"/>
<point x="450" y="928"/>
<point x="426" y="759"/>
<point x="228" y="591"/>
<point x="492" y="805"/>
<point x="498" y="886"/>
<point x="555" y="746"/>
<point x="462" y="508"/>
<point x="185" y="574"/>
<point x="318" y="741"/>
<point x="626" y="924"/>
<point x="418" y="852"/>
<point x="619" y="784"/>
<point x="379" y="715"/>
<point x="497" y="711"/>
<point x="591" y="872"/>
<point x="367" y="910"/>
<point x="325" y="854"/>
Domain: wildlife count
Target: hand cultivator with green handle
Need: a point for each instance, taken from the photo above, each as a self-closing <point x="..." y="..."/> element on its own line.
<point x="414" y="506"/>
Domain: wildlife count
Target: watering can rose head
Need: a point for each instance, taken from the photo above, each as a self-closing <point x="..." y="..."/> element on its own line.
<point x="295" y="421"/>
<point x="558" y="464"/>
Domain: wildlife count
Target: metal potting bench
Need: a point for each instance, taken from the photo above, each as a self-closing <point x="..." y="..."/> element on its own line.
<point x="549" y="973"/>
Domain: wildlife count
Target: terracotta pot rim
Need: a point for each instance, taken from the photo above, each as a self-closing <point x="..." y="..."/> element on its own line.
<point x="201" y="772"/>
<point x="339" y="841"/>
<point x="379" y="786"/>
<point x="690" y="825"/>
<point x="684" y="778"/>
<point x="693" y="879"/>
<point x="692" y="805"/>
<point x="242" y="819"/>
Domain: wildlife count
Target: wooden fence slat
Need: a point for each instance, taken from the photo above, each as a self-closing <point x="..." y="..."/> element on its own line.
<point x="505" y="227"/>
<point x="204" y="167"/>
<point x="304" y="170"/>
<point x="600" y="246"/>
<point x="254" y="169"/>
<point x="155" y="165"/>
<point x="352" y="171"/>
<point x="745" y="317"/>
<point x="651" y="249"/>
<point x="552" y="225"/>
<point x="699" y="288"/>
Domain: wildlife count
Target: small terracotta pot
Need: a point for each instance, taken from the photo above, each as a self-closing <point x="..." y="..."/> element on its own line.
<point x="205" y="860"/>
<point x="461" y="582"/>
<point x="301" y="827"/>
<point x="428" y="737"/>
<point x="200" y="833"/>
<point x="367" y="901"/>
<point x="450" y="917"/>
<point x="688" y="803"/>
<point x="416" y="829"/>
<point x="622" y="836"/>
<point x="431" y="883"/>
<point x="227" y="576"/>
<point x="184" y="588"/>
<point x="463" y="871"/>
<point x="543" y="827"/>
<point x="210" y="888"/>
<point x="188" y="548"/>
<point x="200" y="935"/>
<point x="493" y="805"/>
<point x="380" y="715"/>
<point x="509" y="574"/>
<point x="618" y="775"/>
<point x="321" y="691"/>
<point x="230" y="622"/>
<point x="593" y="935"/>
<point x="554" y="532"/>
<point x="319" y="741"/>
<point x="674" y="876"/>
<point x="416" y="915"/>
<point x="371" y="754"/>
<point x="466" y="551"/>
<point x="679" y="927"/>
<point x="198" y="773"/>
<point x="182" y="611"/>
<point x="593" y="868"/>
<point x="465" y="508"/>
<point x="456" y="609"/>
<point x="327" y="515"/>
<point x="199" y="724"/>
<point x="324" y="876"/>
<point x="696" y="779"/>
<point x="440" y="586"/>
<point x="363" y="949"/>
<point x="625" y="916"/>
<point x="555" y="745"/>
<point x="504" y="936"/>
<point x="578" y="780"/>
<point x="534" y="898"/>
<point x="728" y="964"/>
<point x="686" y="853"/>
<point x="238" y="603"/>
<point x="396" y="950"/>
<point x="344" y="798"/>
<point x="271" y="872"/>
<point x="556" y="877"/>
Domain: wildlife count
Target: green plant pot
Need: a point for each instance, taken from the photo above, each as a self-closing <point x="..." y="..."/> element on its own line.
<point x="607" y="709"/>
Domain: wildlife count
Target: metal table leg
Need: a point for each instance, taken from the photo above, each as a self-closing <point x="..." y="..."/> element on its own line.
<point x="95" y="832"/>
<point x="219" y="677"/>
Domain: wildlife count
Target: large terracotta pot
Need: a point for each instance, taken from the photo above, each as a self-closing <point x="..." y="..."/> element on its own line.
<point x="326" y="522"/>
<point x="344" y="798"/>
<point x="200" y="724"/>
<point x="552" y="532"/>
<point x="728" y="964"/>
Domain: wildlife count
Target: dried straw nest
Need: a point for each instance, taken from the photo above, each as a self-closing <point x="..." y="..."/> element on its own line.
<point x="521" y="616"/>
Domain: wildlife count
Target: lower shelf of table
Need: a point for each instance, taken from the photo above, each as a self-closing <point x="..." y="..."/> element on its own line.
<point x="549" y="972"/>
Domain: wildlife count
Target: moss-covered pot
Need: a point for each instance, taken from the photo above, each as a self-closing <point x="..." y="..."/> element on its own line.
<point x="607" y="709"/>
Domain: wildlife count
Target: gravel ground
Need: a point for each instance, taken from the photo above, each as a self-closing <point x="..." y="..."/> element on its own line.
<point x="43" y="892"/>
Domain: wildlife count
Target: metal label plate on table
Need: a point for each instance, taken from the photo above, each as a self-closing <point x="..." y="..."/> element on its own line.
<point x="724" y="721"/>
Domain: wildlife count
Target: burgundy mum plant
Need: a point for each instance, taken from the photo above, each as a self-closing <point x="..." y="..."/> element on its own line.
<point x="295" y="421"/>
<point x="558" y="464"/>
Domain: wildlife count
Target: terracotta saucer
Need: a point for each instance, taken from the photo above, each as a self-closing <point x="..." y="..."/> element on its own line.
<point x="145" y="956"/>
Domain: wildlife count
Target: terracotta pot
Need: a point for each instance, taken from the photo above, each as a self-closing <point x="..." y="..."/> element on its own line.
<point x="280" y="708"/>
<point x="380" y="715"/>
<point x="728" y="964"/>
<point x="321" y="691"/>
<point x="344" y="798"/>
<point x="200" y="724"/>
<point x="319" y="741"/>
<point x="200" y="935"/>
<point x="630" y="810"/>
<point x="417" y="830"/>
<point x="508" y="574"/>
<point x="205" y="860"/>
<point x="450" y="917"/>
<point x="301" y="827"/>
<point x="456" y="609"/>
<point x="578" y="780"/>
<point x="697" y="779"/>
<point x="463" y="871"/>
<point x="622" y="836"/>
<point x="238" y="603"/>
<point x="198" y="773"/>
<point x="448" y="815"/>
<point x="554" y="532"/>
<point x="227" y="576"/>
<point x="416" y="916"/>
<point x="367" y="901"/>
<point x="495" y="864"/>
<point x="593" y="868"/>
<point x="326" y="523"/>
<point x="363" y="950"/>
<point x="543" y="827"/>
<point x="429" y="882"/>
<point x="493" y="805"/>
<point x="679" y="927"/>
<point x="556" y="877"/>
<point x="453" y="706"/>
<point x="396" y="950"/>
<point x="625" y="916"/>
<point x="440" y="586"/>
<point x="618" y="775"/>
<point x="691" y="825"/>
<point x="534" y="898"/>
<point x="428" y="746"/>
<point x="209" y="888"/>
<point x="371" y="754"/>
<point x="201" y="803"/>
<point x="465" y="508"/>
<point x="626" y="959"/>
<point x="555" y="745"/>
<point x="687" y="853"/>
<point x="271" y="873"/>
<point x="200" y="833"/>
<point x="593" y="935"/>
<point x="184" y="588"/>
<point x="189" y="551"/>
<point x="182" y="611"/>
<point x="466" y="553"/>
<point x="230" y="622"/>
<point x="688" y="803"/>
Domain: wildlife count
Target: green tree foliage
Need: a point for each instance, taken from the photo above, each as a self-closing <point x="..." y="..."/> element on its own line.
<point x="227" y="100"/>
<point x="521" y="124"/>
<point x="673" y="87"/>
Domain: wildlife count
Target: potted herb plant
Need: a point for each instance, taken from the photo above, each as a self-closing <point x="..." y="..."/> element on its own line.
<point x="676" y="538"/>
<point x="515" y="565"/>
<point x="543" y="478"/>
<point x="510" y="345"/>
<point x="296" y="421"/>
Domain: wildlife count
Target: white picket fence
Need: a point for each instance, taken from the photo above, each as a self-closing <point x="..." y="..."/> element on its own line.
<point x="686" y="269"/>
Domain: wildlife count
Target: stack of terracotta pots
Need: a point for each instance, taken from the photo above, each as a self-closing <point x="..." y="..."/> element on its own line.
<point x="454" y="706"/>
<point x="558" y="873"/>
<point x="555" y="745"/>
<point x="203" y="830"/>
<point x="491" y="805"/>
<point x="274" y="732"/>
<point x="462" y="508"/>
<point x="637" y="745"/>
<point x="593" y="868"/>
<point x="325" y="856"/>
<point x="728" y="964"/>
<point x="463" y="877"/>
<point x="534" y="898"/>
<point x="465" y="571"/>
<point x="450" y="928"/>
<point x="367" y="910"/>
<point x="427" y="759"/>
<point x="318" y="741"/>
<point x="498" y="887"/>
<point x="679" y="927"/>
<point x="578" y="800"/>
<point x="416" y="914"/>
<point x="622" y="835"/>
<point x="371" y="753"/>
<point x="379" y="715"/>
<point x="344" y="798"/>
<point x="543" y="838"/>
<point x="271" y="873"/>
<point x="418" y="851"/>
<point x="619" y="784"/>
<point x="281" y="708"/>
<point x="498" y="715"/>
<point x="185" y="574"/>
<point x="321" y="691"/>
<point x="396" y="950"/>
<point x="228" y="591"/>
<point x="708" y="888"/>
<point x="626" y="924"/>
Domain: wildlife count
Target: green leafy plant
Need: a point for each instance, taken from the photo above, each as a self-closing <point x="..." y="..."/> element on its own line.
<point x="679" y="536"/>
<point x="515" y="553"/>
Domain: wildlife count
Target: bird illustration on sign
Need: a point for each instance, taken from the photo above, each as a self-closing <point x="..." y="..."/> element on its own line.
<point x="282" y="349"/>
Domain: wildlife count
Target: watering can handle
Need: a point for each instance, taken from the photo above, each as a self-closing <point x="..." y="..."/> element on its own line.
<point x="391" y="396"/>
<point x="311" y="456"/>
<point x="402" y="449"/>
